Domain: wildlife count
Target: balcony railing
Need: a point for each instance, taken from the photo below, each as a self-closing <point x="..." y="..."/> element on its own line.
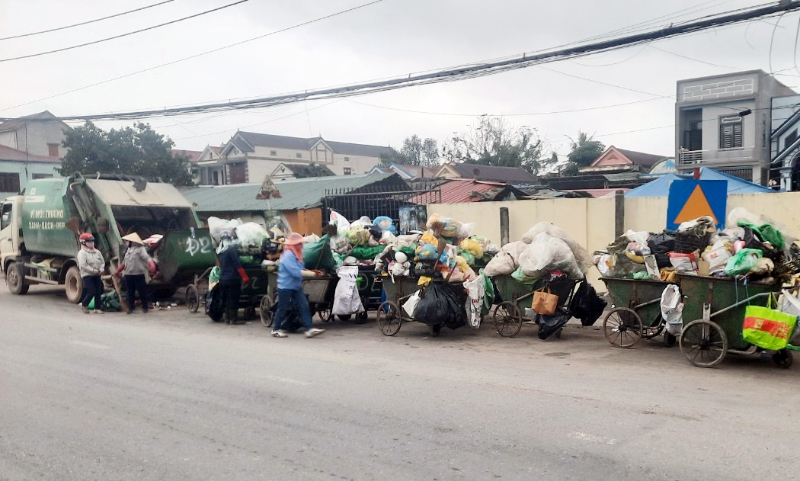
<point x="691" y="157"/>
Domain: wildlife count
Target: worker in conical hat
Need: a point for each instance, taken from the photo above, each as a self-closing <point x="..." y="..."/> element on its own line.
<point x="135" y="265"/>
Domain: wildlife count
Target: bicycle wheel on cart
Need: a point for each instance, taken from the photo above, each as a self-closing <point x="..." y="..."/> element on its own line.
<point x="192" y="298"/>
<point x="507" y="319"/>
<point x="704" y="343"/>
<point x="622" y="327"/>
<point x="389" y="318"/>
<point x="265" y="310"/>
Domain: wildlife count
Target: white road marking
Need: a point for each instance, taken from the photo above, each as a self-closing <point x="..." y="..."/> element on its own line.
<point x="592" y="438"/>
<point x="90" y="344"/>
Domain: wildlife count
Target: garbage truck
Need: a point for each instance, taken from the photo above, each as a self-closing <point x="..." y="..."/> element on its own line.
<point x="39" y="231"/>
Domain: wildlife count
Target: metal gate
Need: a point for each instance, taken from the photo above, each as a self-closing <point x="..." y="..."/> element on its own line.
<point x="376" y="201"/>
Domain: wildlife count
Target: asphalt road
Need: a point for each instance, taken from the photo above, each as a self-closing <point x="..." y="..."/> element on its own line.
<point x="173" y="396"/>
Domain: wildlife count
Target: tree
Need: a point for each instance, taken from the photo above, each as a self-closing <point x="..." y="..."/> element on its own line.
<point x="583" y="151"/>
<point x="415" y="151"/>
<point x="493" y="142"/>
<point x="134" y="151"/>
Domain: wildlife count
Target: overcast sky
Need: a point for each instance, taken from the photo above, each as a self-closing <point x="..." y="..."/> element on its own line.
<point x="389" y="38"/>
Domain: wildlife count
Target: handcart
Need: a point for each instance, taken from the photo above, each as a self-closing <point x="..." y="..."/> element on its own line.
<point x="318" y="290"/>
<point x="250" y="299"/>
<point x="718" y="305"/>
<point x="515" y="297"/>
<point x="636" y="311"/>
<point x="390" y="313"/>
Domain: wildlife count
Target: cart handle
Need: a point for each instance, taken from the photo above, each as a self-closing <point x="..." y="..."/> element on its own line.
<point x="746" y="301"/>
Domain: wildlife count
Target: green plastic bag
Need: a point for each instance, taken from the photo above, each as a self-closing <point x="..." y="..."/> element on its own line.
<point x="213" y="276"/>
<point x="488" y="288"/>
<point x="767" y="233"/>
<point x="365" y="252"/>
<point x="467" y="256"/>
<point x="742" y="262"/>
<point x="767" y="328"/>
<point x="407" y="250"/>
<point x="318" y="255"/>
<point x="520" y="277"/>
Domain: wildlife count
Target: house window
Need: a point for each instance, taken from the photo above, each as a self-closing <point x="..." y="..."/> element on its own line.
<point x="790" y="139"/>
<point x="9" y="182"/>
<point x="348" y="171"/>
<point x="730" y="132"/>
<point x="298" y="155"/>
<point x="52" y="150"/>
<point x="41" y="176"/>
<point x="273" y="153"/>
<point x="347" y="159"/>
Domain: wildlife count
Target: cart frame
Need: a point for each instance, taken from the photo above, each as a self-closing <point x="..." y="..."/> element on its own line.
<point x="635" y="312"/>
<point x="508" y="316"/>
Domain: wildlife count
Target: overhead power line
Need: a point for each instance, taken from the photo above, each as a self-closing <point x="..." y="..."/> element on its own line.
<point x="466" y="71"/>
<point x="86" y="22"/>
<point x="72" y="47"/>
<point x="173" y="62"/>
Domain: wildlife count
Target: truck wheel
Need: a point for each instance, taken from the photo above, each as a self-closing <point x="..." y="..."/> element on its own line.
<point x="74" y="284"/>
<point x="15" y="279"/>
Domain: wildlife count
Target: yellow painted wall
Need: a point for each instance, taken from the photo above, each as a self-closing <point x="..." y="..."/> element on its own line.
<point x="591" y="221"/>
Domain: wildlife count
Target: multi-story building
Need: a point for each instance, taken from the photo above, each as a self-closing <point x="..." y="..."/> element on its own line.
<point x="723" y="122"/>
<point x="785" y="142"/>
<point x="39" y="134"/>
<point x="250" y="157"/>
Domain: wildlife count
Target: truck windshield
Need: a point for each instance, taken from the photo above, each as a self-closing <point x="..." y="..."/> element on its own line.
<point x="5" y="220"/>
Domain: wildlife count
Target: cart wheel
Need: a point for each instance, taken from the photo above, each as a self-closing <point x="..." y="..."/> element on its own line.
<point x="669" y="339"/>
<point x="435" y="330"/>
<point x="507" y="320"/>
<point x="363" y="317"/>
<point x="192" y="298"/>
<point x="344" y="317"/>
<point x="783" y="358"/>
<point x="622" y="327"/>
<point x="250" y="313"/>
<point x="389" y="318"/>
<point x="325" y="314"/>
<point x="704" y="343"/>
<point x="265" y="309"/>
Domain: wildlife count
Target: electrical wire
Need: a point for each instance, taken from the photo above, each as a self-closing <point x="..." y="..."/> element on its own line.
<point x="131" y="74"/>
<point x="86" y="22"/>
<point x="529" y="114"/>
<point x="772" y="40"/>
<point x="462" y="73"/>
<point x="127" y="34"/>
<point x="796" y="38"/>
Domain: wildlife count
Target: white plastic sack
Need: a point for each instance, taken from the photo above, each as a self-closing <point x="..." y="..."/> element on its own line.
<point x="475" y="292"/>
<point x="790" y="304"/>
<point x="547" y="253"/>
<point x="217" y="226"/>
<point x="341" y="223"/>
<point x="411" y="304"/>
<point x="346" y="300"/>
<point x="506" y="261"/>
<point x="672" y="309"/>
<point x="311" y="238"/>
<point x="364" y="221"/>
<point x="582" y="256"/>
<point x="638" y="237"/>
<point x="251" y="234"/>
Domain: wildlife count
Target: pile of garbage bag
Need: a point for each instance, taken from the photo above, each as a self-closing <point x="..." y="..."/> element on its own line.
<point x="544" y="249"/>
<point x="753" y="246"/>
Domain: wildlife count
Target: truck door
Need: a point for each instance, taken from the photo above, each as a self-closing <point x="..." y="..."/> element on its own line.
<point x="6" y="230"/>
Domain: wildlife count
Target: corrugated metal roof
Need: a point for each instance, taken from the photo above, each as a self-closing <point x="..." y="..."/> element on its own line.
<point x="456" y="191"/>
<point x="123" y="193"/>
<point x="295" y="194"/>
<point x="494" y="173"/>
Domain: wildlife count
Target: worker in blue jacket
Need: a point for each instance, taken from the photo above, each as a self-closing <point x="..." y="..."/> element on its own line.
<point x="290" y="288"/>
<point x="231" y="277"/>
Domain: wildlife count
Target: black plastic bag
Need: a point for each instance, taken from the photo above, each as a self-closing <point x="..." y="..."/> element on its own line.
<point x="586" y="304"/>
<point x="660" y="245"/>
<point x="442" y="304"/>
<point x="549" y="325"/>
<point x="215" y="308"/>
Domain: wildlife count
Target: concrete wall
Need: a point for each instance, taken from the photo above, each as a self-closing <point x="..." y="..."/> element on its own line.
<point x="34" y="136"/>
<point x="591" y="221"/>
<point x="358" y="164"/>
<point x="26" y="171"/>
